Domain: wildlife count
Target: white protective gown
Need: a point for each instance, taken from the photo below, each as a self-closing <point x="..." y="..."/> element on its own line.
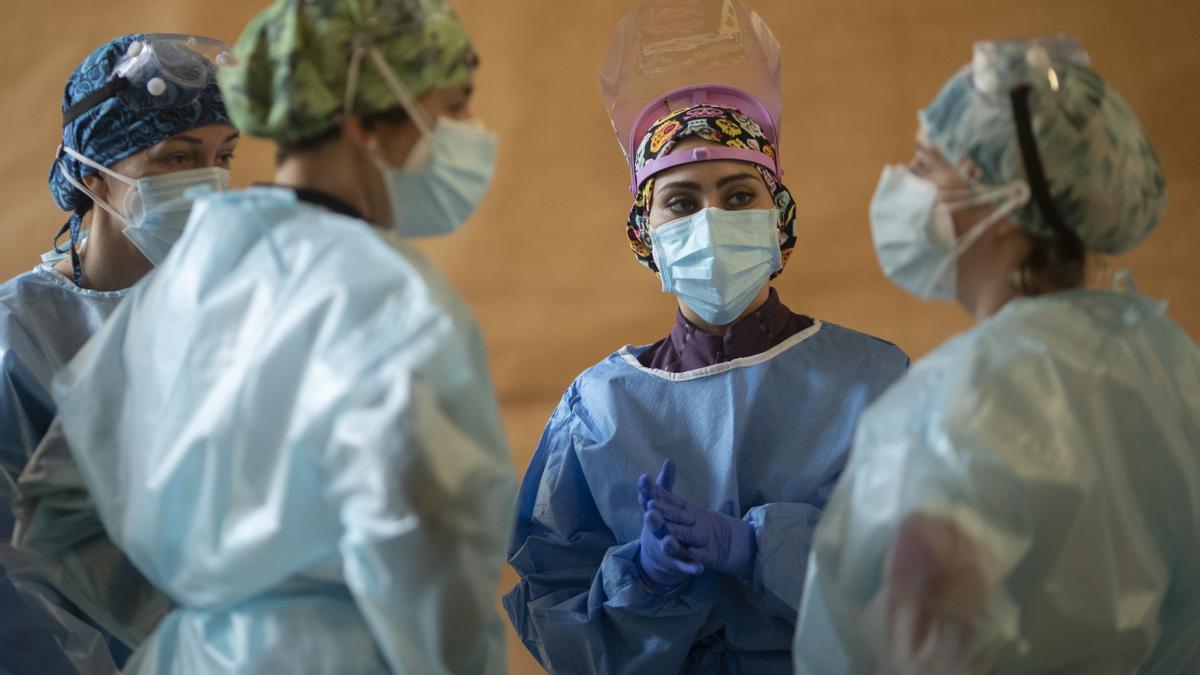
<point x="300" y="444"/>
<point x="1060" y="440"/>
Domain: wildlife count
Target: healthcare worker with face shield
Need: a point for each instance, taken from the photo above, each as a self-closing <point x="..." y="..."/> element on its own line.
<point x="144" y="126"/>
<point x="1027" y="498"/>
<point x="744" y="412"/>
<point x="299" y="441"/>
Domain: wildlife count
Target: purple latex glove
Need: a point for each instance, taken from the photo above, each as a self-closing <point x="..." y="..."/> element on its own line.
<point x="664" y="572"/>
<point x="696" y="534"/>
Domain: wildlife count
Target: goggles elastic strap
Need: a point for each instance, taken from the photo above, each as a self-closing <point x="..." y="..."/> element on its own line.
<point x="1038" y="186"/>
<point x="109" y="89"/>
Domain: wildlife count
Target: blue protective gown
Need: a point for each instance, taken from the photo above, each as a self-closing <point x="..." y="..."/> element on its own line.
<point x="44" y="320"/>
<point x="763" y="437"/>
<point x="300" y="444"/>
<point x="1062" y="438"/>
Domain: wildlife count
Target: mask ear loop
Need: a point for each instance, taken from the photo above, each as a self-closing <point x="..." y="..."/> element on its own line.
<point x="363" y="47"/>
<point x="92" y="195"/>
<point x="401" y="92"/>
<point x="73" y="223"/>
<point x="352" y="78"/>
<point x="1017" y="193"/>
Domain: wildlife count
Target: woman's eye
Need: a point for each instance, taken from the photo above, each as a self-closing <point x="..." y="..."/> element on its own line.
<point x="922" y="163"/>
<point x="681" y="205"/>
<point x="225" y="159"/>
<point x="740" y="199"/>
<point x="179" y="159"/>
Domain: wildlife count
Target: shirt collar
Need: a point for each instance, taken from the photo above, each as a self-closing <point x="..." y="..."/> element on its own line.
<point x="753" y="334"/>
<point x="322" y="199"/>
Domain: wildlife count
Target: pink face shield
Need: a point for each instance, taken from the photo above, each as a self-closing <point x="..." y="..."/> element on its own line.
<point x="670" y="54"/>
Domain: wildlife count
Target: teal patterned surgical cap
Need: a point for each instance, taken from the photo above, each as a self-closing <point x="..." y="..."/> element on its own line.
<point x="1102" y="175"/>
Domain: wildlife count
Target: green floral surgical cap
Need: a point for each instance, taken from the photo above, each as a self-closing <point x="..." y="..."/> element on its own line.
<point x="1103" y="177"/>
<point x="294" y="58"/>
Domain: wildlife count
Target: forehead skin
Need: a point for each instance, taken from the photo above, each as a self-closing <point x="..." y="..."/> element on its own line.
<point x="207" y="142"/>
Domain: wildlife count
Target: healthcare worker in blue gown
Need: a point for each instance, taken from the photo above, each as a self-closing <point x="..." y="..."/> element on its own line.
<point x="1027" y="498"/>
<point x="299" y="440"/>
<point x="744" y="412"/>
<point x="143" y="122"/>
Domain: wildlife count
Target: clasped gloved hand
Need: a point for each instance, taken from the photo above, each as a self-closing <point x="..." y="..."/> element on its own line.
<point x="663" y="571"/>
<point x="691" y="537"/>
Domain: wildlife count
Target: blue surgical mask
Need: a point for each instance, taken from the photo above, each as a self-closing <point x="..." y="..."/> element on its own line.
<point x="913" y="229"/>
<point x="717" y="261"/>
<point x="447" y="172"/>
<point x="444" y="179"/>
<point x="156" y="208"/>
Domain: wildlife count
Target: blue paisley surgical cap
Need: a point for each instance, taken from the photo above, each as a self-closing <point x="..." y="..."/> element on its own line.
<point x="119" y="126"/>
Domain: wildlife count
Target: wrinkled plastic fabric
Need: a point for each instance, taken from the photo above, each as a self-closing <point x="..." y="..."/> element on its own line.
<point x="662" y="46"/>
<point x="1047" y="463"/>
<point x="761" y="438"/>
<point x="299" y="439"/>
<point x="44" y="320"/>
<point x="40" y="631"/>
<point x="57" y="522"/>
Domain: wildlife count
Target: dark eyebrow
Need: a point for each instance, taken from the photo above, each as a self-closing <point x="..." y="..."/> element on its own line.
<point x="684" y="185"/>
<point x="192" y="140"/>
<point x="734" y="178"/>
<point x="184" y="138"/>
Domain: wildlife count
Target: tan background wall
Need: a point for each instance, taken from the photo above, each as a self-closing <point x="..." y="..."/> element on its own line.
<point x="545" y="265"/>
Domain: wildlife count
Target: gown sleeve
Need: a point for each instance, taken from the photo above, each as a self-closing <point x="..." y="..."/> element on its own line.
<point x="930" y="456"/>
<point x="57" y="521"/>
<point x="785" y="531"/>
<point x="580" y="605"/>
<point x="424" y="501"/>
<point x="25" y="406"/>
<point x="784" y="534"/>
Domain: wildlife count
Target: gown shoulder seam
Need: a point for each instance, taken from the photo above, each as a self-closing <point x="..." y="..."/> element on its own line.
<point x="718" y="368"/>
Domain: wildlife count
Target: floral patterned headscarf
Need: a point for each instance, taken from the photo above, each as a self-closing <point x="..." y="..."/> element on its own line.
<point x="716" y="124"/>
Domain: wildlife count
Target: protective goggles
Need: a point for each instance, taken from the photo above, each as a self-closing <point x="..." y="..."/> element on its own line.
<point x="998" y="68"/>
<point x="160" y="70"/>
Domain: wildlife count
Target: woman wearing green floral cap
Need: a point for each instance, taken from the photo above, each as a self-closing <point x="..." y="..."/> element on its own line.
<point x="1027" y="498"/>
<point x="301" y="445"/>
